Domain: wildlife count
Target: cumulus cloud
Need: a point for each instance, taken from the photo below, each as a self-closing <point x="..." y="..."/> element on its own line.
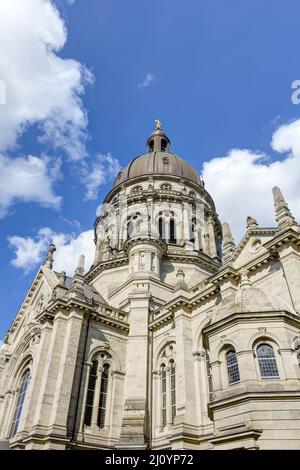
<point x="28" y="179"/>
<point x="103" y="170"/>
<point x="30" y="251"/>
<point x="149" y="78"/>
<point x="38" y="88"/>
<point x="241" y="182"/>
<point x="41" y="87"/>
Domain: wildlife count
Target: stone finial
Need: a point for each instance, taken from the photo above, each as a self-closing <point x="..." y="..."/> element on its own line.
<point x="49" y="257"/>
<point x="245" y="283"/>
<point x="62" y="278"/>
<point x="251" y="222"/>
<point x="77" y="284"/>
<point x="228" y="242"/>
<point x="180" y="275"/>
<point x="283" y="214"/>
<point x="80" y="266"/>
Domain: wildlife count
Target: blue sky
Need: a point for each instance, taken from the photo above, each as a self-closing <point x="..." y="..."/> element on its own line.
<point x="217" y="73"/>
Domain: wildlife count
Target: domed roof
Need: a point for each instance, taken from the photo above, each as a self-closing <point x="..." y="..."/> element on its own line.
<point x="159" y="163"/>
<point x="158" y="160"/>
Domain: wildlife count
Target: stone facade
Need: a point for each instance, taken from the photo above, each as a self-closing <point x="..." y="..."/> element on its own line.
<point x="170" y="340"/>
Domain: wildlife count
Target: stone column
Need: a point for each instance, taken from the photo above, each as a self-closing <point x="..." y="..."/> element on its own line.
<point x="38" y="372"/>
<point x="7" y="417"/>
<point x="57" y="381"/>
<point x="246" y="365"/>
<point x="156" y="403"/>
<point x="65" y="379"/>
<point x="288" y="363"/>
<point x="201" y="385"/>
<point x="186" y="212"/>
<point x="212" y="238"/>
<point x="96" y="399"/>
<point x="185" y="383"/>
<point x="216" y="375"/>
<point x="133" y="432"/>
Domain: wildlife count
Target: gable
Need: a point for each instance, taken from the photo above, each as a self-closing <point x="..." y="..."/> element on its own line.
<point x="252" y="246"/>
<point x="36" y="299"/>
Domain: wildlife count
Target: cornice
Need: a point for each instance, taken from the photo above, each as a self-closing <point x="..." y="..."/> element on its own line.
<point x="100" y="312"/>
<point x="109" y="264"/>
<point x="252" y="317"/>
<point x="143" y="241"/>
<point x="163" y="319"/>
<point x="246" y="396"/>
<point x="282" y="238"/>
<point x="133" y="279"/>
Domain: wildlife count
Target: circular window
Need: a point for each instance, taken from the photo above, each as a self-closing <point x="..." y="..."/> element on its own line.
<point x="255" y="245"/>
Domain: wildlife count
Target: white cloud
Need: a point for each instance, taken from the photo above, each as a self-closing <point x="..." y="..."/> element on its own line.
<point x="103" y="170"/>
<point x="147" y="81"/>
<point x="241" y="182"/>
<point x="30" y="251"/>
<point x="40" y="88"/>
<point x="27" y="179"/>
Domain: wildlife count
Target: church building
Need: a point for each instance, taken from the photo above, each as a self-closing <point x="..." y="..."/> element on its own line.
<point x="175" y="338"/>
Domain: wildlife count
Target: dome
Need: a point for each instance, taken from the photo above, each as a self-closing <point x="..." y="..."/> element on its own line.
<point x="159" y="160"/>
<point x="164" y="163"/>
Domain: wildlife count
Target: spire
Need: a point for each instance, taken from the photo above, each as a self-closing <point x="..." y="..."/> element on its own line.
<point x="228" y="242"/>
<point x="158" y="141"/>
<point x="49" y="257"/>
<point x="283" y="214"/>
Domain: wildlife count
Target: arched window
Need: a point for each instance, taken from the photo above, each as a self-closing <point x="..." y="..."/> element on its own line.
<point x="163" y="379"/>
<point x="172" y="232"/>
<point x="232" y="367"/>
<point x="151" y="145"/>
<point x="129" y="229"/>
<point x="20" y="402"/>
<point x="103" y="396"/>
<point x="168" y="388"/>
<point x="96" y="398"/>
<point x="161" y="228"/>
<point x="163" y="145"/>
<point x="91" y="394"/>
<point x="137" y="190"/>
<point x="267" y="362"/>
<point x="173" y="390"/>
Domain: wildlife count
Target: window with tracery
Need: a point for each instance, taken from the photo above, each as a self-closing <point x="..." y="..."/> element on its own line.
<point x="267" y="361"/>
<point x="91" y="394"/>
<point x="97" y="391"/>
<point x="167" y="227"/>
<point x="232" y="367"/>
<point x="20" y="402"/>
<point x="167" y="387"/>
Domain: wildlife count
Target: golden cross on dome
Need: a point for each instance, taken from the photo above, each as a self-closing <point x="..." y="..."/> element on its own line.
<point x="158" y="124"/>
